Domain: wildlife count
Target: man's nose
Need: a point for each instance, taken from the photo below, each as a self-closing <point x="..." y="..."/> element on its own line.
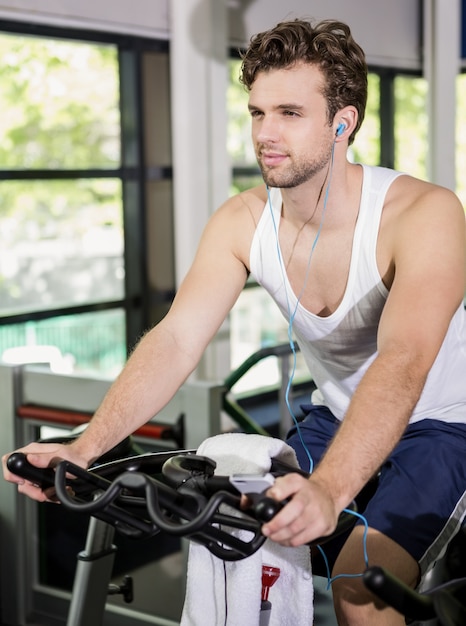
<point x="266" y="131"/>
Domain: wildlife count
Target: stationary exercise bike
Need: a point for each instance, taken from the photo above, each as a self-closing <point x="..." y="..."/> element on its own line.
<point x="178" y="493"/>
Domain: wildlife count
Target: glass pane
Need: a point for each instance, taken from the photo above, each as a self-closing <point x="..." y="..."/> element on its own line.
<point x="59" y="103"/>
<point x="461" y="138"/>
<point x="255" y="323"/>
<point x="62" y="243"/>
<point x="239" y="143"/>
<point x="242" y="183"/>
<point x="85" y="343"/>
<point x="366" y="146"/>
<point x="411" y="125"/>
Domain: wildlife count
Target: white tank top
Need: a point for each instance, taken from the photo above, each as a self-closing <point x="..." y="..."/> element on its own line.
<point x="339" y="348"/>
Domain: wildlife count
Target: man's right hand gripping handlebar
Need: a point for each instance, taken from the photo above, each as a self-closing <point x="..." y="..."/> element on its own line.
<point x="310" y="514"/>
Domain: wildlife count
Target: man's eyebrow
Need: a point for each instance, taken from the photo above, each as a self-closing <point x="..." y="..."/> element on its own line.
<point x="280" y="107"/>
<point x="291" y="105"/>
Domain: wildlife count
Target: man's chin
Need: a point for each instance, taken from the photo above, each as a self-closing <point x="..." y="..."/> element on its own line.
<point x="278" y="184"/>
<point x="270" y="180"/>
<point x="276" y="179"/>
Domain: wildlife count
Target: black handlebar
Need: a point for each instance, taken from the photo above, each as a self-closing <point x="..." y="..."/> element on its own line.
<point x="171" y="492"/>
<point x="398" y="595"/>
<point x="445" y="603"/>
<point x="187" y="472"/>
<point x="18" y="464"/>
<point x="141" y="505"/>
<point x="45" y="478"/>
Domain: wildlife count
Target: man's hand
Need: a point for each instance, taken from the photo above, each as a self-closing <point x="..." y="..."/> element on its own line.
<point x="309" y="514"/>
<point x="41" y="455"/>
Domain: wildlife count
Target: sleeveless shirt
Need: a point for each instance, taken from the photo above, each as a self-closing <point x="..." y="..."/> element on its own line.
<point x="338" y="349"/>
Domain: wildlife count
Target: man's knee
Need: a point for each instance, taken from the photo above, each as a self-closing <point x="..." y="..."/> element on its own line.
<point x="356" y="606"/>
<point x="354" y="603"/>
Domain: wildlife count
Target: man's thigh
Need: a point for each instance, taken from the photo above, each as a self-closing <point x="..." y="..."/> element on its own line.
<point x="347" y="583"/>
<point x="420" y="500"/>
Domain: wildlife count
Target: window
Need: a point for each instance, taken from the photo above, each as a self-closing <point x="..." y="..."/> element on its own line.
<point x="411" y="125"/>
<point x="74" y="181"/>
<point x="246" y="174"/>
<point x="366" y="146"/>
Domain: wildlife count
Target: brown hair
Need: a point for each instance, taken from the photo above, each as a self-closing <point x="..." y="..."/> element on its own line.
<point x="329" y="45"/>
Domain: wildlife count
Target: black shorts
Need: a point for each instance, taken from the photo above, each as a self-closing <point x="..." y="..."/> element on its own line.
<point x="420" y="498"/>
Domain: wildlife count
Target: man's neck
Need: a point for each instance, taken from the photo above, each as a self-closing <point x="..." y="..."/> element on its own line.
<point x="330" y="193"/>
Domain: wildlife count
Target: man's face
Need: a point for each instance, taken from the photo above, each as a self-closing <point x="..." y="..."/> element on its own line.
<point x="290" y="131"/>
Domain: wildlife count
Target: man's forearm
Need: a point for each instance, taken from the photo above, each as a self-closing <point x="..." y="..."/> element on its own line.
<point x="152" y="376"/>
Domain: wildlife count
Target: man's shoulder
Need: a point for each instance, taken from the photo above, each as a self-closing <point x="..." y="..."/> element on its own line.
<point x="411" y="194"/>
<point x="250" y="202"/>
<point x="255" y="197"/>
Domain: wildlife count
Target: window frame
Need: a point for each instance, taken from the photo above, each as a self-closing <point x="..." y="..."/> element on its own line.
<point x="134" y="174"/>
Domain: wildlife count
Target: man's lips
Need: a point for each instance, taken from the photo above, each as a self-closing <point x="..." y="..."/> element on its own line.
<point x="271" y="159"/>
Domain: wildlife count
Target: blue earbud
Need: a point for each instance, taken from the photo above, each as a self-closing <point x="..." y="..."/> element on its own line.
<point x="341" y="129"/>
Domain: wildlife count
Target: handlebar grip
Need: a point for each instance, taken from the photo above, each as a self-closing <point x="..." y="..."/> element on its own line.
<point x="398" y="595"/>
<point x="264" y="507"/>
<point x="18" y="464"/>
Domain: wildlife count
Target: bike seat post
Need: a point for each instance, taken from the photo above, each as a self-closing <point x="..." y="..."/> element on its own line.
<point x="93" y="574"/>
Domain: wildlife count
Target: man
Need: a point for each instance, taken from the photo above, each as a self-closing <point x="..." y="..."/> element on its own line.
<point x="369" y="268"/>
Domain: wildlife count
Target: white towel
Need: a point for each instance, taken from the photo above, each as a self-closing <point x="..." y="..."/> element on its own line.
<point x="229" y="593"/>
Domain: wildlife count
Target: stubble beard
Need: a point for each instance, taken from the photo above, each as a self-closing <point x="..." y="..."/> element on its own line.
<point x="299" y="171"/>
